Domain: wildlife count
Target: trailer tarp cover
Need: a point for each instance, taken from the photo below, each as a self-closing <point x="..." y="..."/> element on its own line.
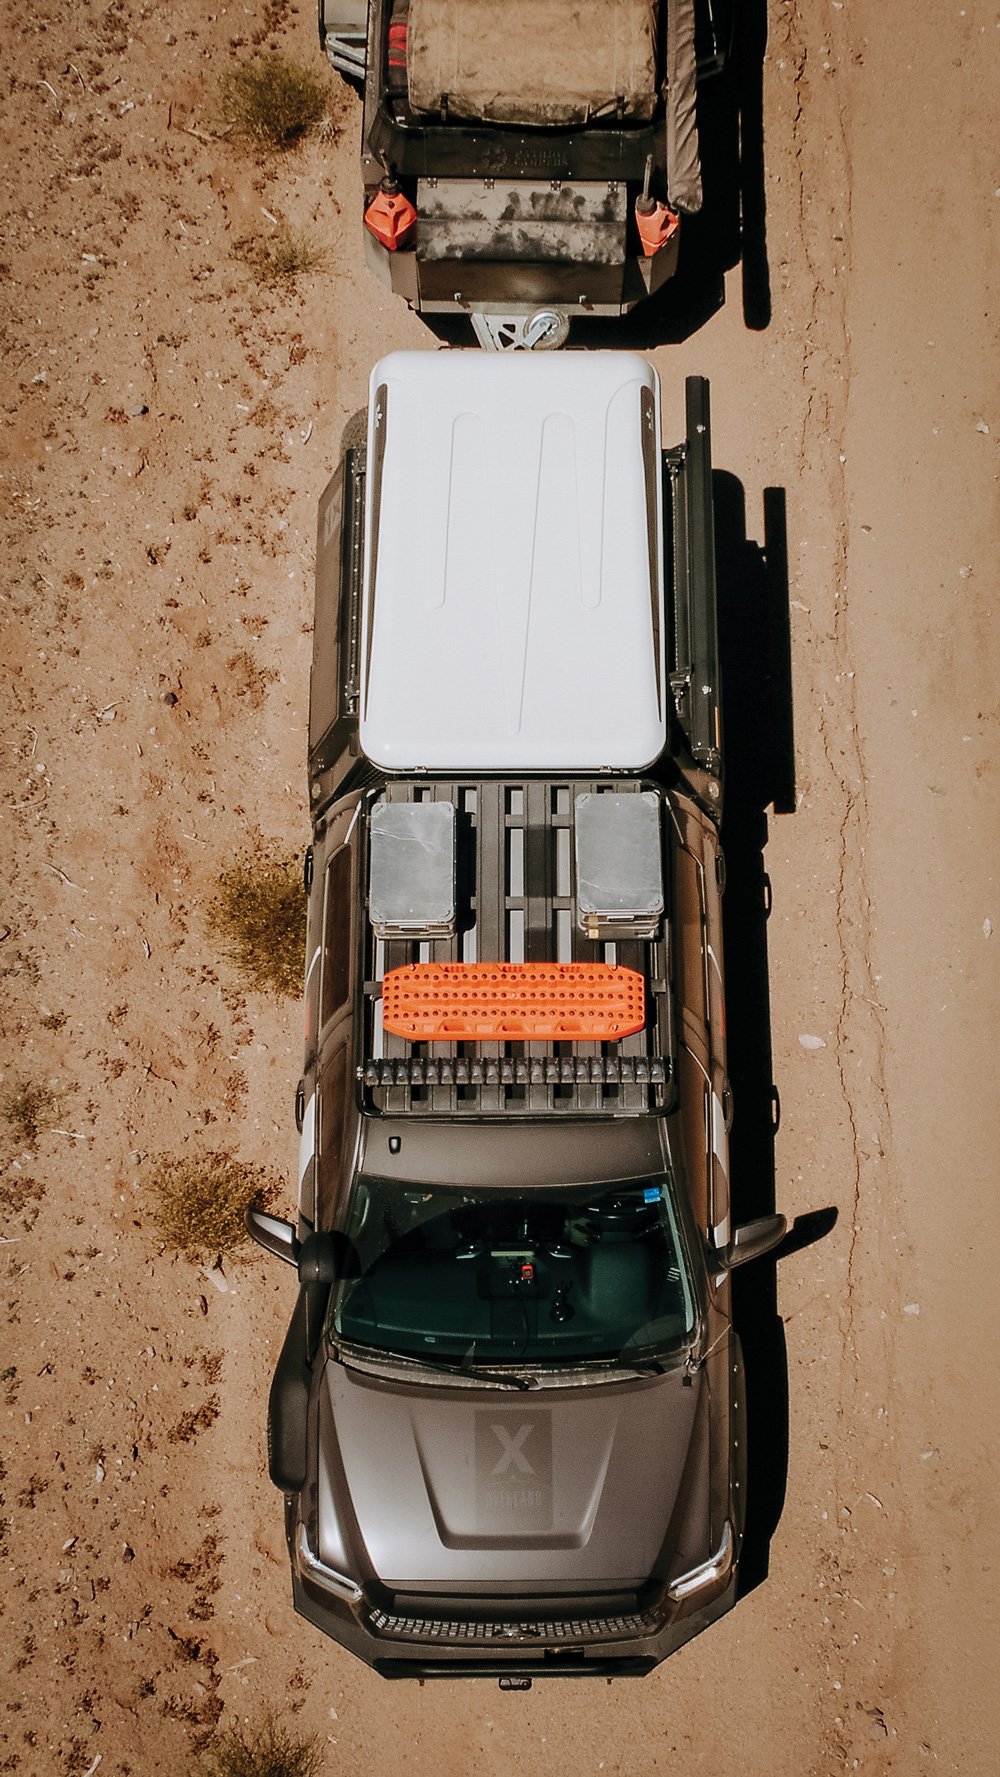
<point x="534" y="61"/>
<point x="683" y="161"/>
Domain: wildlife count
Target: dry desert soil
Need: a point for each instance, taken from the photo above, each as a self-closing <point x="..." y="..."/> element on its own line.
<point x="168" y="425"/>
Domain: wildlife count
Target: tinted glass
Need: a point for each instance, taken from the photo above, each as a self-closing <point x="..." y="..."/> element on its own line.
<point x="690" y="922"/>
<point x="336" y="936"/>
<point x="595" y="1272"/>
<point x="333" y="1105"/>
<point x="324" y="691"/>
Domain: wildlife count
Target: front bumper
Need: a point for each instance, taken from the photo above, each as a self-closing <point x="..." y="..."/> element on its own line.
<point x="483" y="1646"/>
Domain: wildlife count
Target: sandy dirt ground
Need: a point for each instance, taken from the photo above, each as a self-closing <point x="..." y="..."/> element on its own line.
<point x="167" y="429"/>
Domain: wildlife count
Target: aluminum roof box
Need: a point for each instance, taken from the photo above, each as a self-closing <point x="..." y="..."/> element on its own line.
<point x="619" y="864"/>
<point x="412" y="873"/>
<point x="513" y="588"/>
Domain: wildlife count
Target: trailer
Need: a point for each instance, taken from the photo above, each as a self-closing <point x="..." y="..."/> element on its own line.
<point x="527" y="165"/>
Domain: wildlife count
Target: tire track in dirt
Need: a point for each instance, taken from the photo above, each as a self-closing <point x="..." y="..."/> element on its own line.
<point x="822" y="50"/>
<point x="826" y="370"/>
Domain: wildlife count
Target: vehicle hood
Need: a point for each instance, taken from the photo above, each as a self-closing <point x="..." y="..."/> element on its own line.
<point x="578" y="1487"/>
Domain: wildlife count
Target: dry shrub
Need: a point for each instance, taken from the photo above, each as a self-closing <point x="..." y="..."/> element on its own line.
<point x="279" y="258"/>
<point x="273" y="100"/>
<point x="198" y="1202"/>
<point x="269" y="1751"/>
<point x="28" y="1108"/>
<point x="258" y="919"/>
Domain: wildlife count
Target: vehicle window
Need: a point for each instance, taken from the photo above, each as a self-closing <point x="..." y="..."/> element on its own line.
<point x="324" y="693"/>
<point x="333" y="1103"/>
<point x="592" y="1272"/>
<point x="336" y="936"/>
<point x="690" y="922"/>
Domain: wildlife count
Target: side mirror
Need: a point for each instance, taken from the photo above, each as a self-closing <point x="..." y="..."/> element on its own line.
<point x="320" y="1259"/>
<point x="274" y="1235"/>
<point x="320" y="1264"/>
<point x="752" y="1239"/>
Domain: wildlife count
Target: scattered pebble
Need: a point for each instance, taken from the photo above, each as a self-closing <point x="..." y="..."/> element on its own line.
<point x="987" y="928"/>
<point x="981" y="426"/>
<point x="812" y="1042"/>
<point x="99" y="1473"/>
<point x="912" y="1308"/>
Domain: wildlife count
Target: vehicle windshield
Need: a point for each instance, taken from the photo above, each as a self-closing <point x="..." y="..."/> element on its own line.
<point x="557" y="1277"/>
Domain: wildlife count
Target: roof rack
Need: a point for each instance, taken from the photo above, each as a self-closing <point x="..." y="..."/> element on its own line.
<point x="516" y="911"/>
<point x="548" y="1070"/>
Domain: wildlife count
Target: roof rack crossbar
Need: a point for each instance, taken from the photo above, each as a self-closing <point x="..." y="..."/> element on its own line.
<point x="553" y="1070"/>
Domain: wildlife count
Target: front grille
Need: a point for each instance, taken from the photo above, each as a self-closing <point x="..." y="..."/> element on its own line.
<point x="509" y="1633"/>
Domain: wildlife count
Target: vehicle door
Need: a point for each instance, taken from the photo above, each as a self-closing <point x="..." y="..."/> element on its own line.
<point x="703" y="1088"/>
<point x="326" y="1111"/>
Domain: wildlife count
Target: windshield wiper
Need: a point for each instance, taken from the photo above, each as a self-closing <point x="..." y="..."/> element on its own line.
<point x="459" y="1367"/>
<point x="440" y="1365"/>
<point x="648" y="1365"/>
<point x="504" y="1379"/>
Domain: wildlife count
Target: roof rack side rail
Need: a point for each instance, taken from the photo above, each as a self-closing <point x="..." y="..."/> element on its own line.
<point x="699" y="626"/>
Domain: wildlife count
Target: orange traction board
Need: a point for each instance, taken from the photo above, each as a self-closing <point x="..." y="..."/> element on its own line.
<point x="513" y="1002"/>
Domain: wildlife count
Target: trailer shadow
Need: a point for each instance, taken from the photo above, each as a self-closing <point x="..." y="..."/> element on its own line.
<point x="730" y="229"/>
<point x="755" y="655"/>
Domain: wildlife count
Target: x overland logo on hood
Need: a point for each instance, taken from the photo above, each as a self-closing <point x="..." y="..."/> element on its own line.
<point x="514" y="1471"/>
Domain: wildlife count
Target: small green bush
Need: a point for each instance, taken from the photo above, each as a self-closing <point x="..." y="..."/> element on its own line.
<point x="269" y="1751"/>
<point x="28" y="1108"/>
<point x="273" y="100"/>
<point x="198" y="1202"/>
<point x="281" y="257"/>
<point x="258" y="919"/>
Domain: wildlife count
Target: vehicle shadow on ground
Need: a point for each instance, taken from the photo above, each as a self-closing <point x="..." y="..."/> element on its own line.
<point x="755" y="654"/>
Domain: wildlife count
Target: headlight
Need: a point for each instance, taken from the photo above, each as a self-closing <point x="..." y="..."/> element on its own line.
<point x="708" y="1574"/>
<point x="310" y="1567"/>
